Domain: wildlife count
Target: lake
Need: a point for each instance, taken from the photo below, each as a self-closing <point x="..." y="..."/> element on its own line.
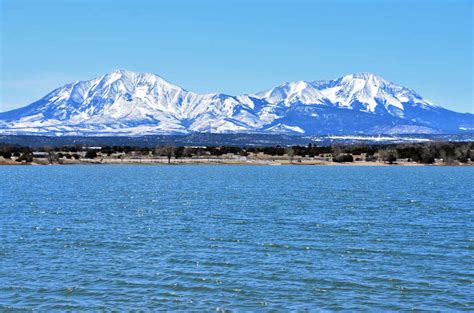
<point x="236" y="238"/>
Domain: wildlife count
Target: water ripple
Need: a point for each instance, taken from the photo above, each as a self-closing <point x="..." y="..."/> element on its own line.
<point x="226" y="238"/>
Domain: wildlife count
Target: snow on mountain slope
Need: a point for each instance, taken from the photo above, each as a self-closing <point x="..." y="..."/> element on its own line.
<point x="363" y="91"/>
<point x="129" y="103"/>
<point x="123" y="99"/>
<point x="289" y="93"/>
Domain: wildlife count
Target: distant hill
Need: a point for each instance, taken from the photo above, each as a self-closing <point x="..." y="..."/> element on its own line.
<point x="202" y="139"/>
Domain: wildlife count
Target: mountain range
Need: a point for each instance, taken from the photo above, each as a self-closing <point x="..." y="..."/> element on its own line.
<point x="129" y="103"/>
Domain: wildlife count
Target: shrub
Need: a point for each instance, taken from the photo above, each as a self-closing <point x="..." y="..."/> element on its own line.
<point x="91" y="154"/>
<point x="427" y="159"/>
<point x="27" y="157"/>
<point x="370" y="158"/>
<point x="391" y="159"/>
<point x="343" y="158"/>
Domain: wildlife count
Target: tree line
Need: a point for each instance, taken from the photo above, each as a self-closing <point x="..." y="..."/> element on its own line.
<point x="449" y="152"/>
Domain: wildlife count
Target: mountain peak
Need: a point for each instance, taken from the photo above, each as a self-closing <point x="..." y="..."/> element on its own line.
<point x="118" y="73"/>
<point x="126" y="74"/>
<point x="121" y="71"/>
<point x="364" y="76"/>
<point x="130" y="80"/>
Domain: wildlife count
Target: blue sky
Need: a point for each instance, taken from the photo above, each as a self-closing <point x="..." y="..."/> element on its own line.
<point x="238" y="47"/>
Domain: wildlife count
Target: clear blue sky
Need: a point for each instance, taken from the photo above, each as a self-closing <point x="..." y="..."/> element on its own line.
<point x="238" y="47"/>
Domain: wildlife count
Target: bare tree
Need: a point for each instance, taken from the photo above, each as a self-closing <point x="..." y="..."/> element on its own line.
<point x="336" y="151"/>
<point x="52" y="157"/>
<point x="462" y="153"/>
<point x="187" y="152"/>
<point x="168" y="151"/>
<point x="388" y="155"/>
<point x="290" y="152"/>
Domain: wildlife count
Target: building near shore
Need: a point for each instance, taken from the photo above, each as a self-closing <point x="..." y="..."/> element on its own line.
<point x="40" y="155"/>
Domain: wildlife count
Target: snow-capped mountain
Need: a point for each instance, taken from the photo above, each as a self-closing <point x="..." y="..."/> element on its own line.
<point x="129" y="103"/>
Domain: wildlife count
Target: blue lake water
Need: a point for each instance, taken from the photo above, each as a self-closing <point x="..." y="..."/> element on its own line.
<point x="236" y="237"/>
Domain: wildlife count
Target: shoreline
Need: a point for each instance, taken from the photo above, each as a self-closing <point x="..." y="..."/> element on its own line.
<point x="184" y="162"/>
<point x="433" y="154"/>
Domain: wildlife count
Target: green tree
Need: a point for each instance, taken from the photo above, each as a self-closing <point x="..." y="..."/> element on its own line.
<point x="91" y="154"/>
